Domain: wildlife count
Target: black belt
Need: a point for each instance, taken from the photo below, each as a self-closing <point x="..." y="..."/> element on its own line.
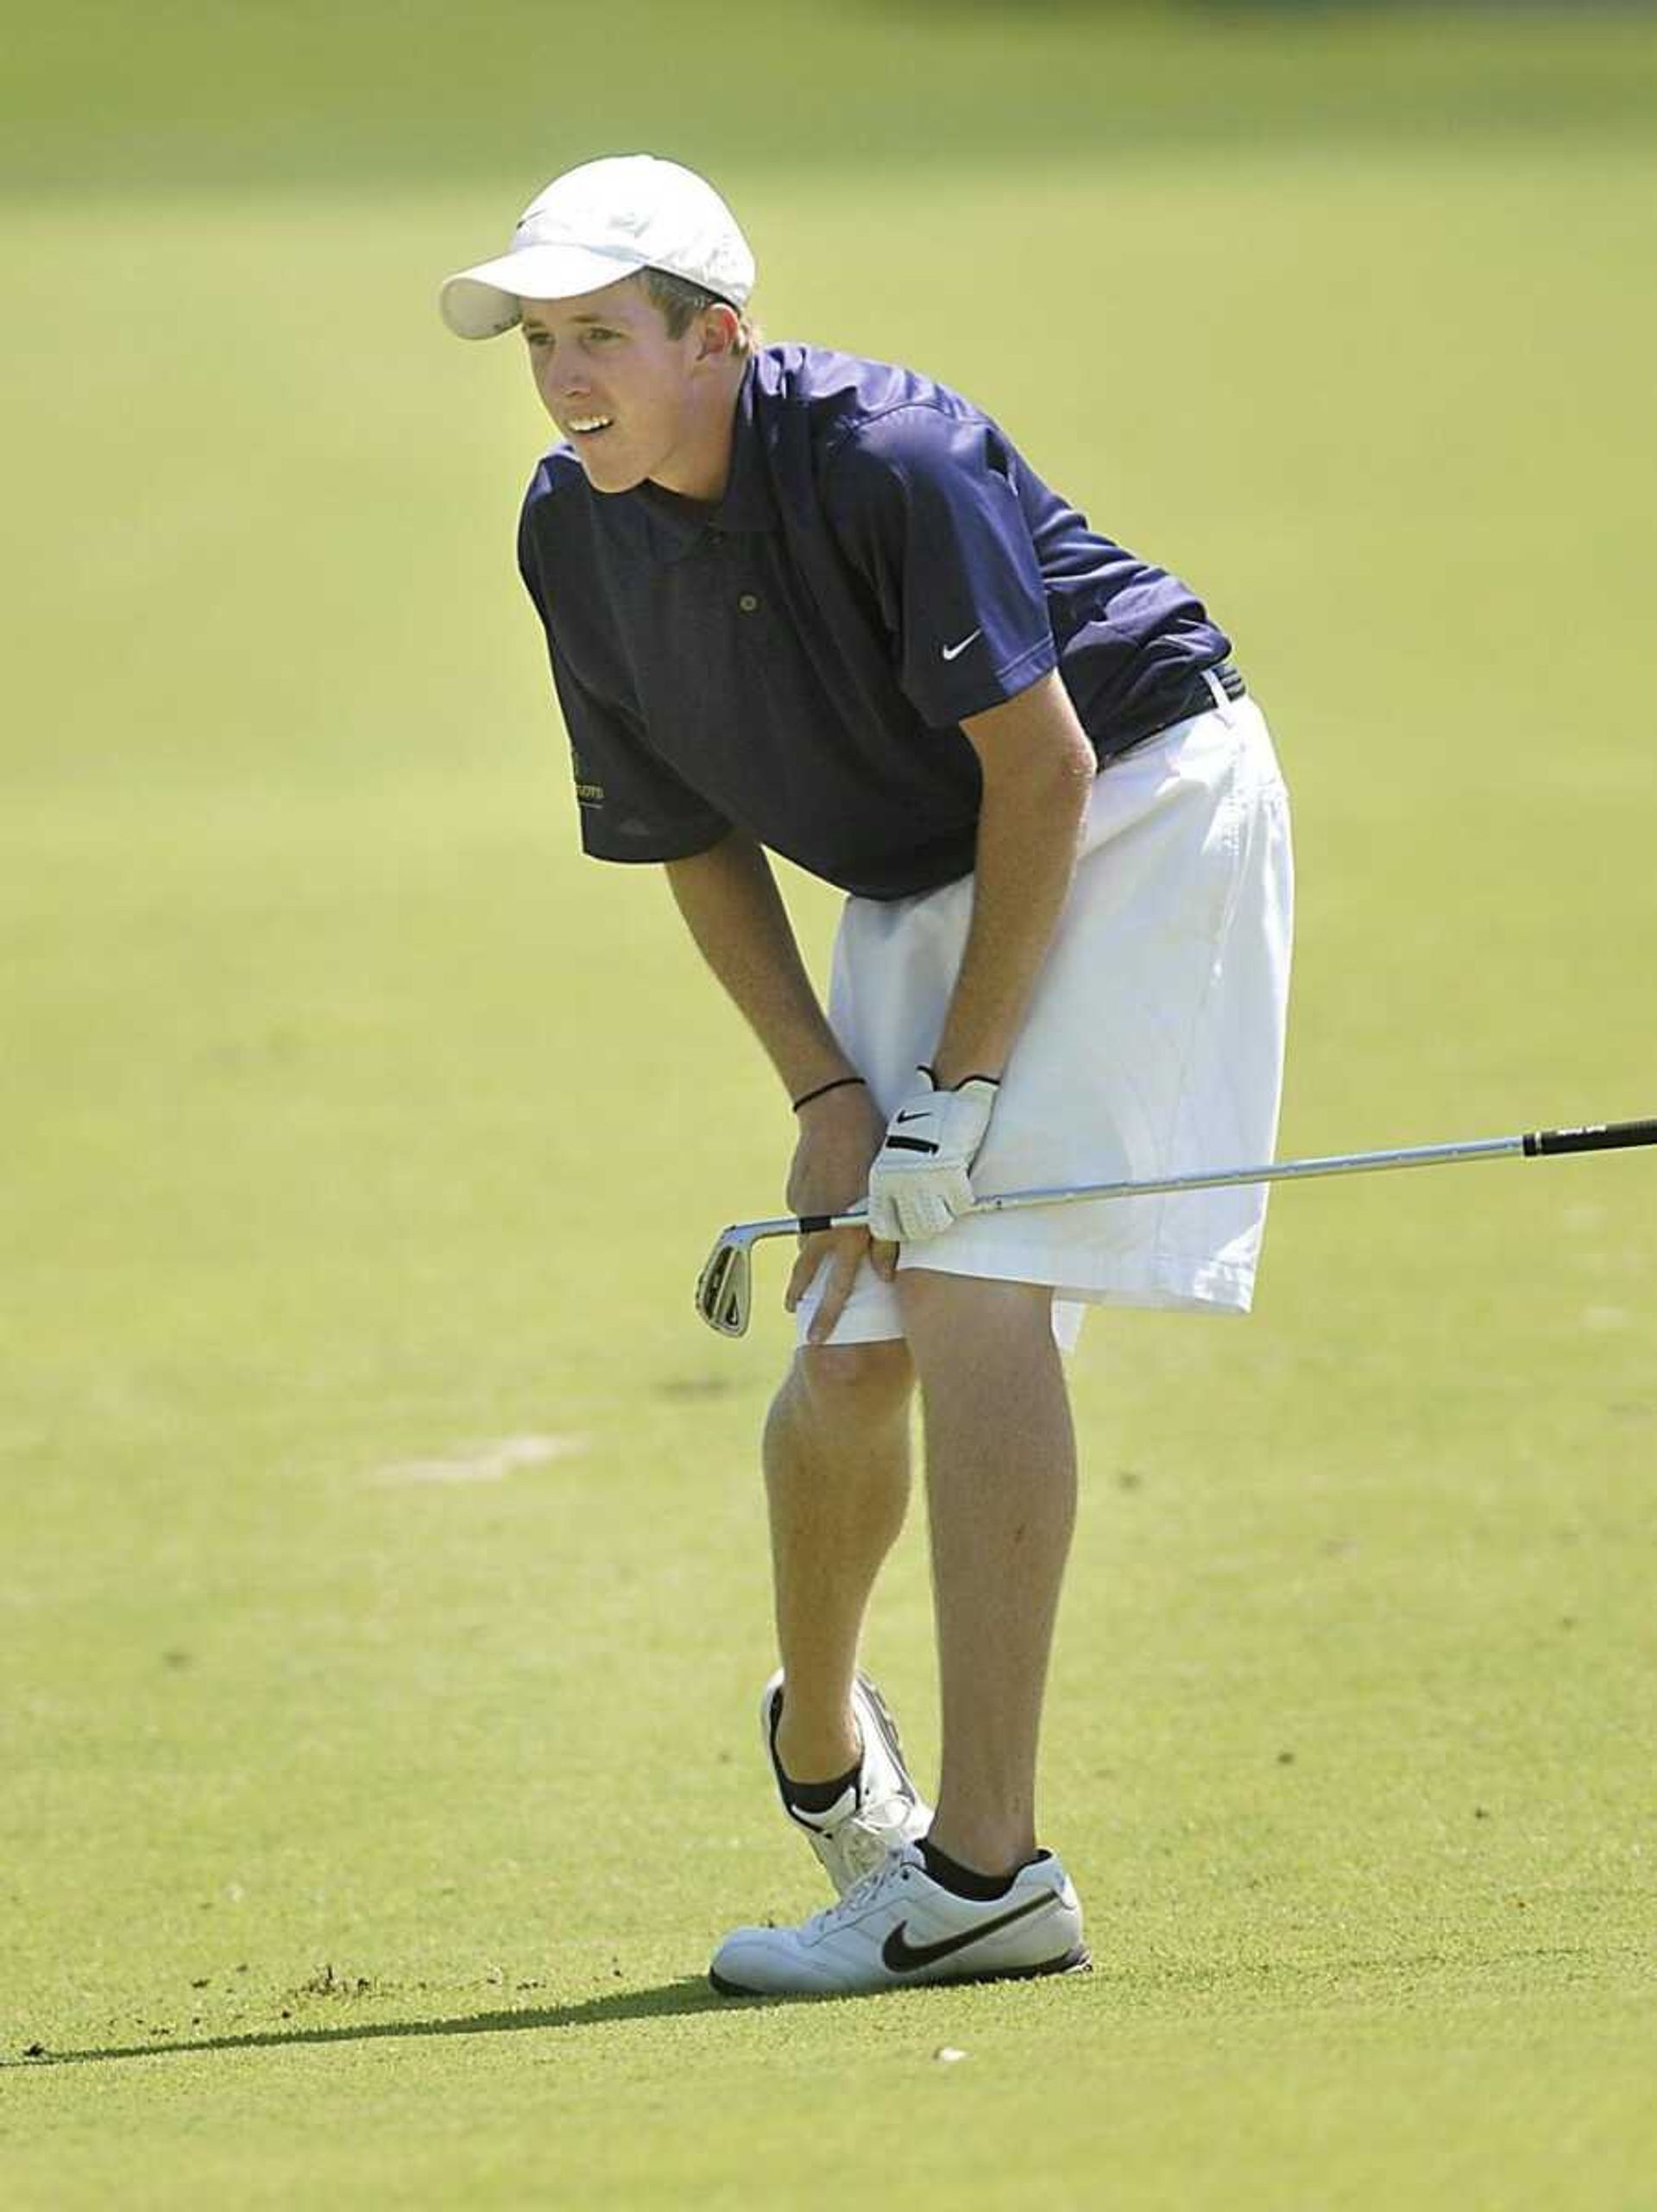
<point x="1195" y="697"/>
<point x="1198" y="695"/>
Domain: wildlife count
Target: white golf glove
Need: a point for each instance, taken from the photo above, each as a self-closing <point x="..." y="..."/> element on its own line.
<point x="920" y="1180"/>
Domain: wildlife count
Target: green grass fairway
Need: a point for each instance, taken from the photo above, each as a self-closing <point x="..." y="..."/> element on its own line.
<point x="383" y="1577"/>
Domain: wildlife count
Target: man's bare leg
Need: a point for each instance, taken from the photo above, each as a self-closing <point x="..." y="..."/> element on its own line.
<point x="1001" y="1484"/>
<point x="836" y="1458"/>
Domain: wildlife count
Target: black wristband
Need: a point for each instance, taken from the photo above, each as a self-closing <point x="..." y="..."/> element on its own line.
<point x="840" y="1083"/>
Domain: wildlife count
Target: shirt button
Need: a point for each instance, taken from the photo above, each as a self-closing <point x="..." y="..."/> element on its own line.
<point x="749" y="603"/>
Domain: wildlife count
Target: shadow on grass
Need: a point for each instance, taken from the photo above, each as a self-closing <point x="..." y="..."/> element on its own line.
<point x="665" y="2001"/>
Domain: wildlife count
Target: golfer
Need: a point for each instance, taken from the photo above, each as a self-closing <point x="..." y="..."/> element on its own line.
<point x="801" y="603"/>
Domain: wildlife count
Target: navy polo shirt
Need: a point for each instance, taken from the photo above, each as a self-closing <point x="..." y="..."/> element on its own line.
<point x="797" y="659"/>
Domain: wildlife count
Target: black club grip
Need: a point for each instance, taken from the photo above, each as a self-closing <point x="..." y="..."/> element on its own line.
<point x="1604" y="1136"/>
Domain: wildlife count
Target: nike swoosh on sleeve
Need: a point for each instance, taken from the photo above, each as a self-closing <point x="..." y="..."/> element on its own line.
<point x="954" y="652"/>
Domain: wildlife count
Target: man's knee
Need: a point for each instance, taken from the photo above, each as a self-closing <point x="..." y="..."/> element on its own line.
<point x="849" y="1384"/>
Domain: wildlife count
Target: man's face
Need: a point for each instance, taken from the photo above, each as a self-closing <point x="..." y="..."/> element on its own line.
<point x="606" y="359"/>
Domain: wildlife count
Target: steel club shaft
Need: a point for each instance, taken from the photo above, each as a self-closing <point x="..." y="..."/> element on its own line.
<point x="724" y="1290"/>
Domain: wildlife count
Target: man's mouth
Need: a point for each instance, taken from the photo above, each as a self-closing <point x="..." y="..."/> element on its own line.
<point x="584" y="426"/>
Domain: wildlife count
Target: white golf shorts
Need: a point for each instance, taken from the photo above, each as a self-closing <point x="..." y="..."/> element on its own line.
<point x="1153" y="1044"/>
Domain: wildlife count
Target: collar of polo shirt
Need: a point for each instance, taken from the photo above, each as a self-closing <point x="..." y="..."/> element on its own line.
<point x="676" y="526"/>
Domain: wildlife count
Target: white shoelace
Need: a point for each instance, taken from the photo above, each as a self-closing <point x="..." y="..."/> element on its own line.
<point x="868" y="1891"/>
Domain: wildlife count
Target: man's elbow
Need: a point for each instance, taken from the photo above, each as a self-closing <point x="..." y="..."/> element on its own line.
<point x="1056" y="774"/>
<point x="1034" y="743"/>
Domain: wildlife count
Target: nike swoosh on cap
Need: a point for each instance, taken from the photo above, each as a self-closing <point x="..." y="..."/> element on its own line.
<point x="904" y="1957"/>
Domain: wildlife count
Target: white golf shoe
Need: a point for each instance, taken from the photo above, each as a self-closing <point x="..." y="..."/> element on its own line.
<point x="877" y="1813"/>
<point x="898" y="1926"/>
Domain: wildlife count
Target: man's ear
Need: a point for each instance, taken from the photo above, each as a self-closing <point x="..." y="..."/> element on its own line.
<point x="720" y="326"/>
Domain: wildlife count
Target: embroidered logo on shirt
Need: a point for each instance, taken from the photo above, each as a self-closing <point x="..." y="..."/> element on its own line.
<point x="954" y="652"/>
<point x="588" y="793"/>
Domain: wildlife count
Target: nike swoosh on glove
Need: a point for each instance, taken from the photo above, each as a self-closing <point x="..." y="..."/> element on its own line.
<point x="921" y="1179"/>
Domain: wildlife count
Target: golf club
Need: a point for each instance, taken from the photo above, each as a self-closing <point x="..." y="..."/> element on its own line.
<point x="725" y="1287"/>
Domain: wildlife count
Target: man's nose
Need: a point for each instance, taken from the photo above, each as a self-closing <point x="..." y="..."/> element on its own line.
<point x="569" y="374"/>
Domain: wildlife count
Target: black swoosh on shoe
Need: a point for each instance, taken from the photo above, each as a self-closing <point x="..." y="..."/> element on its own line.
<point x="901" y="1956"/>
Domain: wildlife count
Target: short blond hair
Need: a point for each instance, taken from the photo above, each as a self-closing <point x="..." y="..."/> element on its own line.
<point x="680" y="302"/>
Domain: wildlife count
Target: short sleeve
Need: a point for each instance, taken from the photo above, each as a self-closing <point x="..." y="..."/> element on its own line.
<point x="632" y="806"/>
<point x="926" y="506"/>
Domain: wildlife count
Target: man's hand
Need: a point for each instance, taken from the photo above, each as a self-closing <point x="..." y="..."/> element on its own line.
<point x="921" y="1180"/>
<point x="839" y="1135"/>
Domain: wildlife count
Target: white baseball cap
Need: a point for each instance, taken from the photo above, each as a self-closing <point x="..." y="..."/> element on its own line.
<point x="596" y="225"/>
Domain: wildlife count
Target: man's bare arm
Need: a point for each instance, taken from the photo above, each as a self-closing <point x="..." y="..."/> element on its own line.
<point x="1038" y="769"/>
<point x="733" y="908"/>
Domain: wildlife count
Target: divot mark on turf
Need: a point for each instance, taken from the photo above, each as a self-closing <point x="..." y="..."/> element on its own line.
<point x="481" y="1463"/>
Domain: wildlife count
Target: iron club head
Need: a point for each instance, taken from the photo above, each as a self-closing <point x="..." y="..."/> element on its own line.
<point x="725" y="1287"/>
